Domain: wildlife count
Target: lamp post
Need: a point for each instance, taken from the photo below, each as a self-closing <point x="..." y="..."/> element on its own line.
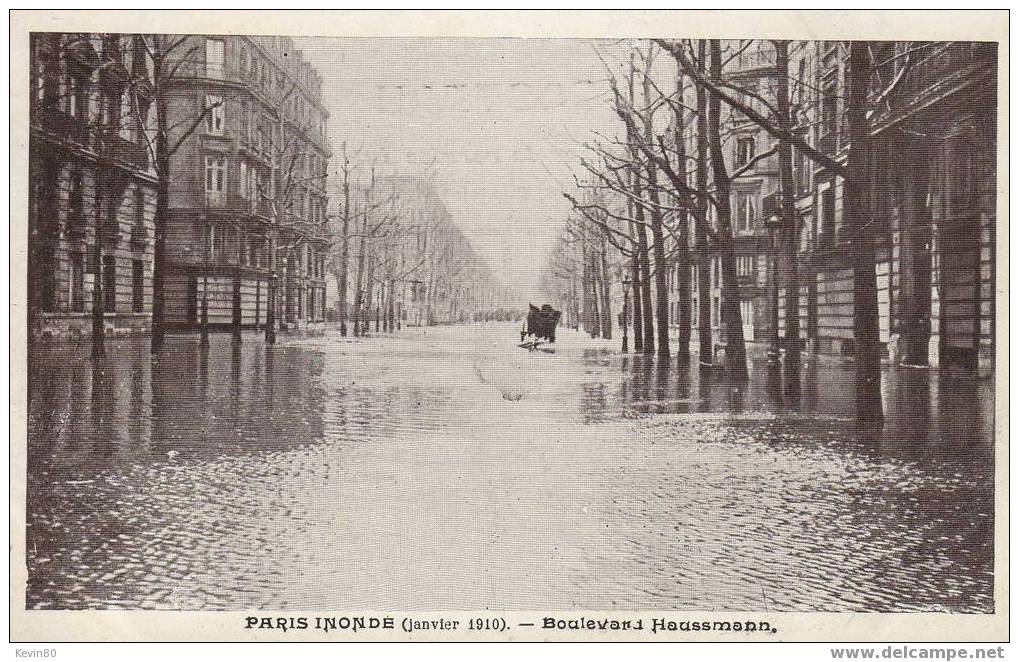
<point x="624" y="316"/>
<point x="774" y="226"/>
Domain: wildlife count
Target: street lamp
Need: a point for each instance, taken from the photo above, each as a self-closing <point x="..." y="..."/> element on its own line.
<point x="624" y="316"/>
<point x="774" y="226"/>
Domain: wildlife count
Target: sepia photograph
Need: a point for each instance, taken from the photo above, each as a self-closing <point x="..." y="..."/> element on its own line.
<point x="646" y="336"/>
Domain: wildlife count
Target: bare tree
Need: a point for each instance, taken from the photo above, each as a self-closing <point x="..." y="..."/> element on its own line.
<point x="173" y="59"/>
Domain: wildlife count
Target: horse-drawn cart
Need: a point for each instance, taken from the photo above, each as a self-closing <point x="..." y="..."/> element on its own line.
<point x="540" y="326"/>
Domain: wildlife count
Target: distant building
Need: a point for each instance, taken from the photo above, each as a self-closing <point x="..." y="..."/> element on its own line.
<point x="90" y="181"/>
<point x="249" y="182"/>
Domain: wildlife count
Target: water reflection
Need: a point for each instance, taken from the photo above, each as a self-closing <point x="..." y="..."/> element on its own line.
<point x="236" y="476"/>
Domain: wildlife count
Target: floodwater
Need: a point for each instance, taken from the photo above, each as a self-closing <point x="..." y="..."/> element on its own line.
<point x="445" y="468"/>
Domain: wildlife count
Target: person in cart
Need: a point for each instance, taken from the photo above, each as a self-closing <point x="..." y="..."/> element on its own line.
<point x="540" y="323"/>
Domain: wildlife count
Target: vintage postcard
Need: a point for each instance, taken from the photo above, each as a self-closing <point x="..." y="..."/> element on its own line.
<point x="509" y="326"/>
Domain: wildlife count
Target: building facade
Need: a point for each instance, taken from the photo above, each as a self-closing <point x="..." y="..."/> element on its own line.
<point x="248" y="197"/>
<point x="754" y="193"/>
<point x="932" y="114"/>
<point x="932" y="200"/>
<point x="92" y="185"/>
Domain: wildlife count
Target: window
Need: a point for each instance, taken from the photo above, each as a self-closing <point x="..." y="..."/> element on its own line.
<point x="75" y="200"/>
<point x="76" y="285"/>
<point x="804" y="234"/>
<point x="746" y="311"/>
<point x="77" y="96"/>
<point x="829" y="110"/>
<point x="800" y="89"/>
<point x="215" y="116"/>
<point x="214" y="49"/>
<point x="715" y="310"/>
<point x="826" y="222"/>
<point x="242" y="182"/>
<point x="215" y="242"/>
<point x="801" y="173"/>
<point x="745" y="266"/>
<point x="44" y="282"/>
<point x="744" y="151"/>
<point x="139" y="206"/>
<point x="110" y="283"/>
<point x="137" y="286"/>
<point x="245" y="121"/>
<point x="215" y="180"/>
<point x="46" y="193"/>
<point x="125" y="128"/>
<point x="745" y="212"/>
<point x="254" y="192"/>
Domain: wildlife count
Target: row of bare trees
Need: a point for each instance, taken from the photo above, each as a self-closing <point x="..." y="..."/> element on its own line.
<point x="660" y="192"/>
<point x="396" y="253"/>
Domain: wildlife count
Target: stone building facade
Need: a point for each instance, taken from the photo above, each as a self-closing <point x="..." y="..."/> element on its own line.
<point x="752" y="202"/>
<point x="248" y="187"/>
<point x="932" y="201"/>
<point x="91" y="184"/>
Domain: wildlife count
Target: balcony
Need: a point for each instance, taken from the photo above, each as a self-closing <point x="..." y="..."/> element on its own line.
<point x="77" y="228"/>
<point x="945" y="61"/>
<point x="62" y="125"/>
<point x="936" y="70"/>
<point x="234" y="205"/>
<point x="130" y="152"/>
<point x="139" y="236"/>
<point x="110" y="233"/>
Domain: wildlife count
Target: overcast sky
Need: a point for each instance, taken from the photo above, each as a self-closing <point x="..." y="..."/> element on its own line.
<point x="503" y="119"/>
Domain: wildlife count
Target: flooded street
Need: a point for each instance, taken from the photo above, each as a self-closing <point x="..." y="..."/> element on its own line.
<point x="445" y="468"/>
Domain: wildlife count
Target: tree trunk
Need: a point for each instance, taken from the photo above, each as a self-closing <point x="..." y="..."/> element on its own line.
<point x="369" y="301"/>
<point x="204" y="342"/>
<point x="661" y="266"/>
<point x="644" y="287"/>
<point x="704" y="334"/>
<point x="162" y="158"/>
<point x="856" y="212"/>
<point x="270" y="312"/>
<point x="575" y="302"/>
<point x="790" y="229"/>
<point x="683" y="250"/>
<point x="345" y="250"/>
<point x="237" y="309"/>
<point x="593" y="296"/>
<point x="98" y="304"/>
<point x="103" y="183"/>
<point x="359" y="293"/>
<point x="642" y="284"/>
<point x="606" y="295"/>
<point x="638" y="310"/>
<point x="914" y="283"/>
<point x="392" y="306"/>
<point x="735" y="351"/>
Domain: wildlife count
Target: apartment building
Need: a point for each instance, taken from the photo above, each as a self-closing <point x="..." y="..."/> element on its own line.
<point x="933" y="204"/>
<point x="248" y="188"/>
<point x="92" y="187"/>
